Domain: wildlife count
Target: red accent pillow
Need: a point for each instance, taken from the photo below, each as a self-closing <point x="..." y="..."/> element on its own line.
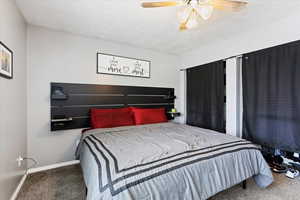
<point x="108" y="118"/>
<point x="149" y="115"/>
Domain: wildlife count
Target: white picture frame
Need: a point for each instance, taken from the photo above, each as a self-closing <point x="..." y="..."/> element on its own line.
<point x="122" y="66"/>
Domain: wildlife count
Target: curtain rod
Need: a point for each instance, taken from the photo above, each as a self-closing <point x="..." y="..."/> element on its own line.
<point x="238" y="56"/>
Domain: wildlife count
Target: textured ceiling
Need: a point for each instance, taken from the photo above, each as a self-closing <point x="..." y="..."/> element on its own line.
<point x="124" y="21"/>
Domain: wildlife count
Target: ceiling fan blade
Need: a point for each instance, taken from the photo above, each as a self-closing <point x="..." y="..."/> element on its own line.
<point x="228" y="5"/>
<point x="160" y="4"/>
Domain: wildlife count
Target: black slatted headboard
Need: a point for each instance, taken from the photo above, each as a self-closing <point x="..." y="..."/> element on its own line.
<point x="73" y="111"/>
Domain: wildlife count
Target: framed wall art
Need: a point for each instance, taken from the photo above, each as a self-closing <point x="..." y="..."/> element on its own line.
<point x="123" y="66"/>
<point x="6" y="61"/>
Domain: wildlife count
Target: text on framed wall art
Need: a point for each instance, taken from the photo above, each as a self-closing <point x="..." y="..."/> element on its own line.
<point x="124" y="66"/>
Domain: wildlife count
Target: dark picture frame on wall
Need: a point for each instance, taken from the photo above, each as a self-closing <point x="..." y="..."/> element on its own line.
<point x="6" y="61"/>
<point x="123" y="66"/>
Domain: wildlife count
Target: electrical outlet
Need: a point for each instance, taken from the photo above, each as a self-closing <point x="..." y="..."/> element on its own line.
<point x="19" y="161"/>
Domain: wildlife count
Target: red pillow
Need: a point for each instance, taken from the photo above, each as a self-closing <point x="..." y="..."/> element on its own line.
<point x="108" y="118"/>
<point x="149" y="115"/>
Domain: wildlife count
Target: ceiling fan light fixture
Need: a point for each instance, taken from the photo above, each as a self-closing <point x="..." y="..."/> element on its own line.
<point x="184" y="13"/>
<point x="192" y="10"/>
<point x="205" y="11"/>
<point x="193" y="20"/>
<point x="203" y="1"/>
<point x="194" y="3"/>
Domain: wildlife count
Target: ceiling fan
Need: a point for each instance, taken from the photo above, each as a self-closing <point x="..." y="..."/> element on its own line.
<point x="191" y="11"/>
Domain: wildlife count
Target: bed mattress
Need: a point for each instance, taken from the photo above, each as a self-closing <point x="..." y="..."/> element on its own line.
<point x="166" y="161"/>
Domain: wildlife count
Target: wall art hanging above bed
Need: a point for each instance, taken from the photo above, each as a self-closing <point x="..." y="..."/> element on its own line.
<point x="6" y="61"/>
<point x="124" y="66"/>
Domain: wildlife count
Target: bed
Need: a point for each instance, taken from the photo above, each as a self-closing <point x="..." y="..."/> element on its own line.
<point x="167" y="161"/>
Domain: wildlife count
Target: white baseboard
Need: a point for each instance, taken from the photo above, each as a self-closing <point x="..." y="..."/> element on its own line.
<point x="53" y="166"/>
<point x="17" y="190"/>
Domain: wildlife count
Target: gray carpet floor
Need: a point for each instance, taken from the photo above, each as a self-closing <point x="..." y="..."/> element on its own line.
<point x="64" y="183"/>
<point x="67" y="184"/>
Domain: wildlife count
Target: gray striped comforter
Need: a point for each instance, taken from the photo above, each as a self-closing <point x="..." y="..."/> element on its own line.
<point x="166" y="161"/>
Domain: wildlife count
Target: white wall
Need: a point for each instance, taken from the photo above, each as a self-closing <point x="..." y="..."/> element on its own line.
<point x="62" y="57"/>
<point x="233" y="97"/>
<point x="12" y="100"/>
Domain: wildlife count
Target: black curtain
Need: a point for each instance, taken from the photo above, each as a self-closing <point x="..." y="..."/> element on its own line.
<point x="205" y="96"/>
<point x="271" y="94"/>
